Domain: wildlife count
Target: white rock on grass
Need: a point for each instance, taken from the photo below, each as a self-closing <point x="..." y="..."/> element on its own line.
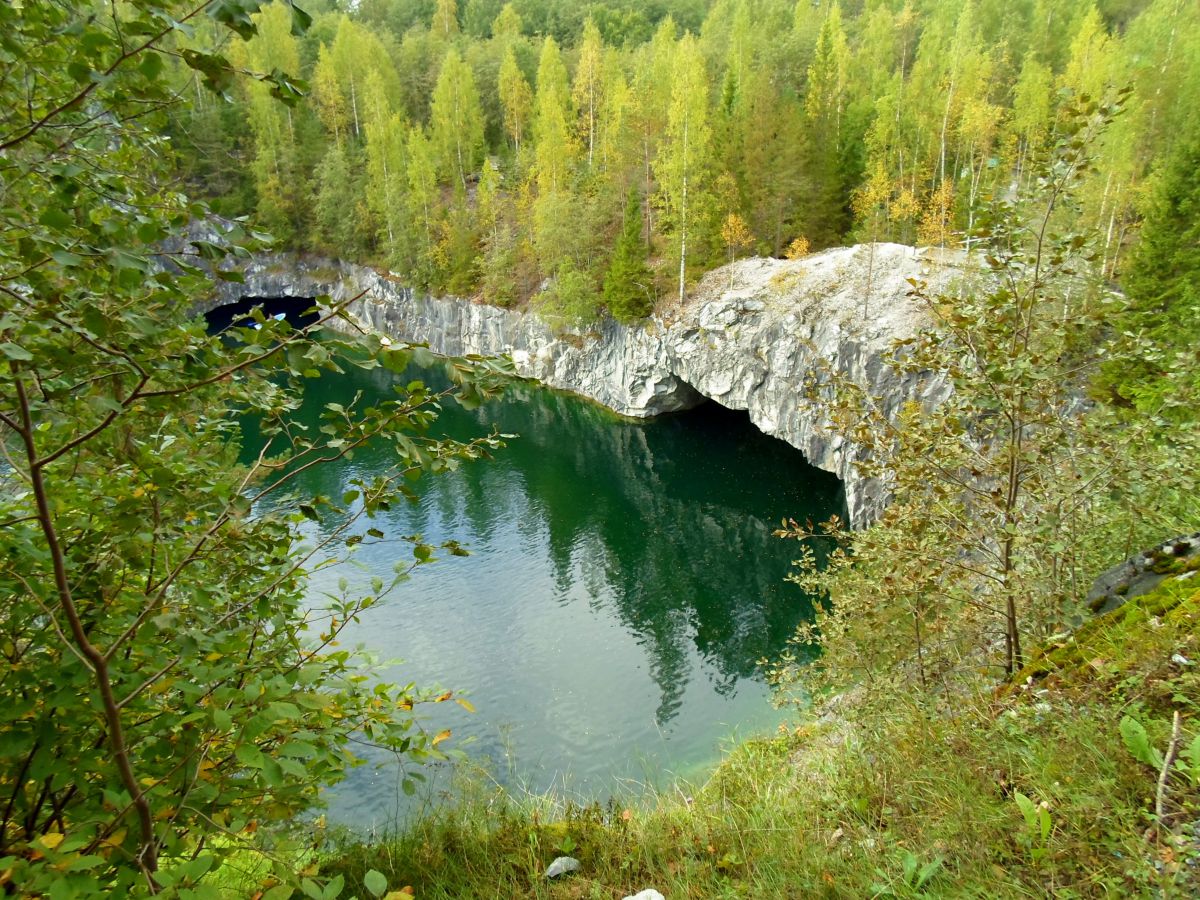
<point x="563" y="865"/>
<point x="648" y="894"/>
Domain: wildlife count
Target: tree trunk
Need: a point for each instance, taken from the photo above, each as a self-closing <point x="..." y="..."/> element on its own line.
<point x="683" y="218"/>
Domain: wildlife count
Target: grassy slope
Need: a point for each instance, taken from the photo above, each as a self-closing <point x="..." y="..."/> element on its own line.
<point x="871" y="809"/>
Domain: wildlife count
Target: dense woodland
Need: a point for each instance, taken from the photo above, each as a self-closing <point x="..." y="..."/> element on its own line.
<point x="171" y="702"/>
<point x="607" y="153"/>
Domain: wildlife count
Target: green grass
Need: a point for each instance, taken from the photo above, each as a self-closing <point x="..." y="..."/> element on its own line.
<point x="920" y="800"/>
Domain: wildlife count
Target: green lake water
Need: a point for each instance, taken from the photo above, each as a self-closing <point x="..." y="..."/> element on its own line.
<point x="622" y="586"/>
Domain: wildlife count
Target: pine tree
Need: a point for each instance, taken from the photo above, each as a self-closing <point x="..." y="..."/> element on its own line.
<point x="736" y="236"/>
<point x="555" y="150"/>
<point x="340" y="74"/>
<point x="769" y="137"/>
<point x="825" y="105"/>
<point x="627" y="286"/>
<point x="1031" y="112"/>
<point x="478" y="17"/>
<point x="385" y="193"/>
<point x="1090" y="66"/>
<point x="1166" y="268"/>
<point x="423" y="196"/>
<point x="327" y="96"/>
<point x="555" y="232"/>
<point x="281" y="205"/>
<point x="336" y="209"/>
<point x="507" y="26"/>
<point x="652" y="88"/>
<point x="826" y="97"/>
<point x="1163" y="284"/>
<point x="445" y="20"/>
<point x="617" y="138"/>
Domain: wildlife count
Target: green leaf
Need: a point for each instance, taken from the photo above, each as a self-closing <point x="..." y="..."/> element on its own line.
<point x="1192" y="754"/>
<point x="151" y="65"/>
<point x="927" y="871"/>
<point x="1028" y="809"/>
<point x="375" y="882"/>
<point x="235" y="15"/>
<point x="298" y="750"/>
<point x="65" y="258"/>
<point x="272" y="774"/>
<point x="249" y="755"/>
<point x="55" y="218"/>
<point x="14" y="351"/>
<point x="79" y="71"/>
<point x="1137" y="742"/>
<point x="217" y="71"/>
<point x="301" y="21"/>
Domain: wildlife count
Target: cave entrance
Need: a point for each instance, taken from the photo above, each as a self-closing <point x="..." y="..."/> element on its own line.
<point x="299" y="312"/>
<point x="720" y="440"/>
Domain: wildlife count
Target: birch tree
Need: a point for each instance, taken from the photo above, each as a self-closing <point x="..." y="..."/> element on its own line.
<point x="683" y="162"/>
<point x="516" y="98"/>
<point x="456" y="120"/>
<point x="589" y="85"/>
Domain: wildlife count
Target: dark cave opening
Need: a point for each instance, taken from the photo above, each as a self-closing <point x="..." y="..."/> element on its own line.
<point x="299" y="312"/>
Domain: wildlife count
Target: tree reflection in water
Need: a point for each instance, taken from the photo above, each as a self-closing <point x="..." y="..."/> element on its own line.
<point x="624" y="579"/>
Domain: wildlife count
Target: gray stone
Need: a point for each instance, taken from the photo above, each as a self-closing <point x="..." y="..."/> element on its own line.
<point x="750" y="347"/>
<point x="563" y="865"/>
<point x="1140" y="574"/>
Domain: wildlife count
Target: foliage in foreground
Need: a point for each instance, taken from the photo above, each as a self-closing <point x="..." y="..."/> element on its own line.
<point x="921" y="798"/>
<point x="168" y="689"/>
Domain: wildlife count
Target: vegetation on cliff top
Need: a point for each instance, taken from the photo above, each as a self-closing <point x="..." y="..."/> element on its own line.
<point x="483" y="147"/>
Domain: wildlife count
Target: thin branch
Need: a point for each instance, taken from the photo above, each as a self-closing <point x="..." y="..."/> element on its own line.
<point x="1160" y="797"/>
<point x="83" y="94"/>
<point x="147" y="855"/>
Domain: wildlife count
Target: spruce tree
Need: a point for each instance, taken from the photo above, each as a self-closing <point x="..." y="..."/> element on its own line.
<point x="1163" y="285"/>
<point x="627" y="284"/>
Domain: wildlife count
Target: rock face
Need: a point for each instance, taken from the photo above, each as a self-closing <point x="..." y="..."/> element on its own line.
<point x="748" y="338"/>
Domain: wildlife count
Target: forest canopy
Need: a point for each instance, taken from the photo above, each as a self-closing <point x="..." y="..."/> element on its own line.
<point x="490" y="149"/>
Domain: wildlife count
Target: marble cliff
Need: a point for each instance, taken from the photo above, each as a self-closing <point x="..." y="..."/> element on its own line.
<point x="748" y="338"/>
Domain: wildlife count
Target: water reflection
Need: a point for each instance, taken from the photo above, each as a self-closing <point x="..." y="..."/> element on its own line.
<point x="623" y="583"/>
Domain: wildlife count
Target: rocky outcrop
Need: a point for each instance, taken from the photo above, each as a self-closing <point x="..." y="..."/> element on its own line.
<point x="1141" y="574"/>
<point x="748" y="338"/>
